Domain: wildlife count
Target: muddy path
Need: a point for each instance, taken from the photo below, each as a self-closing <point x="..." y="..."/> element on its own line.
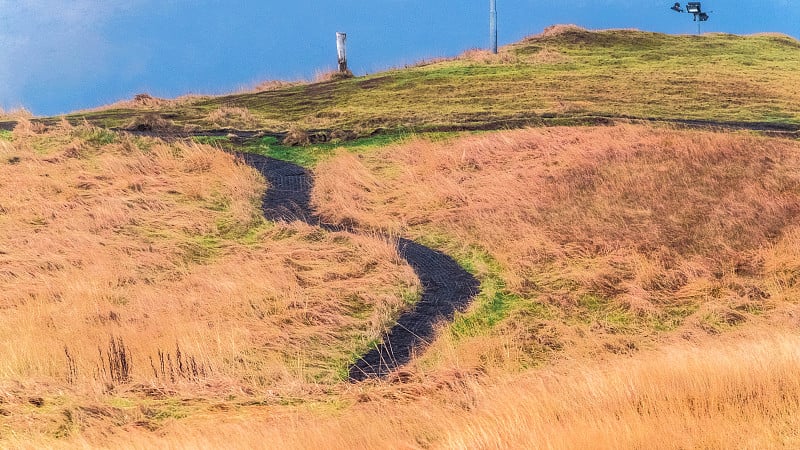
<point x="447" y="287"/>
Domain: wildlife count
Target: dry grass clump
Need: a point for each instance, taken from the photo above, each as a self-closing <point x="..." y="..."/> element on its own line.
<point x="153" y="122"/>
<point x="139" y="101"/>
<point x="556" y="30"/>
<point x="726" y="395"/>
<point x="27" y="127"/>
<point x="621" y="231"/>
<point x="332" y="75"/>
<point x="15" y="114"/>
<point x="131" y="261"/>
<point x="487" y="57"/>
<point x="274" y="85"/>
<point x="146" y="101"/>
<point x="229" y="116"/>
<point x="296" y="136"/>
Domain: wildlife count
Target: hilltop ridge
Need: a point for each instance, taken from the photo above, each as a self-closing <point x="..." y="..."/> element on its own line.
<point x="564" y="75"/>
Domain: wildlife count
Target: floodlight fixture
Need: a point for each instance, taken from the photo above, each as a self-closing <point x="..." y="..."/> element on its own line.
<point x="695" y="9"/>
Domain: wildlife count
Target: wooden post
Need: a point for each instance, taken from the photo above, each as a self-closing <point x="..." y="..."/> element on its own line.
<point x="341" y="50"/>
<point x="493" y="25"/>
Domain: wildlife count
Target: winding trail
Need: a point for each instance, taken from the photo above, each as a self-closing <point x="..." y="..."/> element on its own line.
<point x="447" y="287"/>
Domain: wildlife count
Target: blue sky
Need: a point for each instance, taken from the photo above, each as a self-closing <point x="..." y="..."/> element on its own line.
<point x="61" y="55"/>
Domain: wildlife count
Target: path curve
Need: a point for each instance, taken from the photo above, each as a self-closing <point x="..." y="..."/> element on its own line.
<point x="446" y="287"/>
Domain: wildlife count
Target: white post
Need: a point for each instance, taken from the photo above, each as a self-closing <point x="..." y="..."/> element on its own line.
<point x="341" y="50"/>
<point x="493" y="25"/>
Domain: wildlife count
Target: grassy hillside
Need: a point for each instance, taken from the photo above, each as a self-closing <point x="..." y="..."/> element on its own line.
<point x="136" y="272"/>
<point x="590" y="240"/>
<point x="564" y="75"/>
<point x="639" y="283"/>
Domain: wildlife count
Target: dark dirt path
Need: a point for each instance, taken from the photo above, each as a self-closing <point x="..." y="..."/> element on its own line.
<point x="447" y="287"/>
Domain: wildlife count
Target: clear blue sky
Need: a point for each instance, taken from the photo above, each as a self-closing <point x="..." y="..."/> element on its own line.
<point x="60" y="55"/>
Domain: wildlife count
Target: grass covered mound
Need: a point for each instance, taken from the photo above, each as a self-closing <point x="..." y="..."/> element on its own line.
<point x="591" y="239"/>
<point x="566" y="74"/>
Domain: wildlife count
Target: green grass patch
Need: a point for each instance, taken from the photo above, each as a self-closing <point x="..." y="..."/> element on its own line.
<point x="310" y="155"/>
<point x="200" y="249"/>
<point x="598" y="310"/>
<point x="223" y="142"/>
<point x="673" y="317"/>
<point x="6" y="135"/>
<point x="493" y="303"/>
<point x="97" y="137"/>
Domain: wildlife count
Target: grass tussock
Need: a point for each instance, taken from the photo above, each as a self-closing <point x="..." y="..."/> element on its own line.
<point x="332" y="75"/>
<point x="128" y="262"/>
<point x="273" y="85"/>
<point x="147" y="102"/>
<point x="595" y="239"/>
<point x="227" y="117"/>
<point x="15" y="114"/>
<point x="26" y="127"/>
<point x="153" y="122"/>
<point x="486" y="57"/>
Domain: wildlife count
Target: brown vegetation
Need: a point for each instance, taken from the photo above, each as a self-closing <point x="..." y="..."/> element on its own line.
<point x="332" y="75"/>
<point x="649" y="279"/>
<point x="272" y="85"/>
<point x="724" y="395"/>
<point x="608" y="237"/>
<point x="15" y="114"/>
<point x="127" y="261"/>
<point x="232" y="117"/>
<point x="148" y="102"/>
<point x="153" y="122"/>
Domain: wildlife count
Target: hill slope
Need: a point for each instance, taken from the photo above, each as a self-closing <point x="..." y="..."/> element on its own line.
<point x="638" y="283"/>
<point x="564" y="75"/>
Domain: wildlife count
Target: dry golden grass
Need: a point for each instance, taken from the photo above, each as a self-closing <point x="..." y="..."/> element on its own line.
<point x="232" y="117"/>
<point x="161" y="248"/>
<point x="556" y="30"/>
<point x="728" y="394"/>
<point x="14" y="114"/>
<point x="328" y="75"/>
<point x="146" y="101"/>
<point x="272" y="85"/>
<point x="655" y="269"/>
<point x="486" y="57"/>
<point x="607" y="236"/>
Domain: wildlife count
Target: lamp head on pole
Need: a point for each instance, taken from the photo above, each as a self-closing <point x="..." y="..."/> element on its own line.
<point x="693" y="8"/>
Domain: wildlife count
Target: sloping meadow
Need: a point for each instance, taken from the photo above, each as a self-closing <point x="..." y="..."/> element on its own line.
<point x="134" y="262"/>
<point x="604" y="239"/>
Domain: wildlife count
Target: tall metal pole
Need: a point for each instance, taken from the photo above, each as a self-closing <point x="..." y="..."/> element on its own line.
<point x="493" y="25"/>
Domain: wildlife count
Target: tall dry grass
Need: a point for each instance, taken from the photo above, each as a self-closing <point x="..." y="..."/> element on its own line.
<point x="620" y="232"/>
<point x="14" y="114"/>
<point x="728" y="394"/>
<point x="145" y="101"/>
<point x="232" y="117"/>
<point x="127" y="261"/>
